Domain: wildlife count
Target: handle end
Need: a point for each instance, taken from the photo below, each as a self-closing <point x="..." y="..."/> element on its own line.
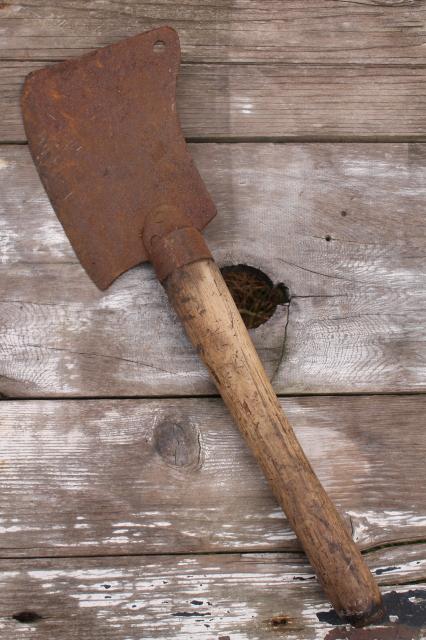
<point x="373" y="613"/>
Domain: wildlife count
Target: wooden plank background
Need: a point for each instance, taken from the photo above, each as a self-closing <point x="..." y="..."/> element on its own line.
<point x="323" y="69"/>
<point x="327" y="31"/>
<point x="188" y="597"/>
<point x="125" y="517"/>
<point x="341" y="225"/>
<point x="114" y="476"/>
<point x="274" y="101"/>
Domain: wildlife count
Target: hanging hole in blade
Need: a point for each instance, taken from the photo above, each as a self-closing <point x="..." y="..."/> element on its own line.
<point x="159" y="46"/>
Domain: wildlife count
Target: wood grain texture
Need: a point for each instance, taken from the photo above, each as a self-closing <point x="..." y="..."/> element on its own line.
<point x="276" y="101"/>
<point x="154" y="476"/>
<point x="381" y="31"/>
<point x="341" y="225"/>
<point x="238" y="597"/>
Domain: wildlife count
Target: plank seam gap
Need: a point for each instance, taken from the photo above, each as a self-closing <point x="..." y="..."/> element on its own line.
<point x="278" y="62"/>
<point x="204" y="553"/>
<point x="361" y="394"/>
<point x="309" y="139"/>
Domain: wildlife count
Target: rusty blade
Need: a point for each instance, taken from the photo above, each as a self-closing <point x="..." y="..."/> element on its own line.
<point x="105" y="137"/>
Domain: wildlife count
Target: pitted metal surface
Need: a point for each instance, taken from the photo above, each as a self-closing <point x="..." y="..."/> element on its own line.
<point x="105" y="137"/>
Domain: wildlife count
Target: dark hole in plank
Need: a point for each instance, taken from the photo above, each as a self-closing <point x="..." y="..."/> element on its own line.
<point x="27" y="617"/>
<point x="279" y="621"/>
<point x="254" y="293"/>
<point x="379" y="572"/>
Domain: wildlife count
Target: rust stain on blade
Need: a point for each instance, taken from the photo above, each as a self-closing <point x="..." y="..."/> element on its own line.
<point x="106" y="140"/>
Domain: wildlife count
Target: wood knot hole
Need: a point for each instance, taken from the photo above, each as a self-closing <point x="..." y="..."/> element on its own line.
<point x="254" y="293"/>
<point x="178" y="444"/>
<point x="27" y="617"/>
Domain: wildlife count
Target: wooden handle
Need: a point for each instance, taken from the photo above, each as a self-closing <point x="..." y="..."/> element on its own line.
<point x="202" y="300"/>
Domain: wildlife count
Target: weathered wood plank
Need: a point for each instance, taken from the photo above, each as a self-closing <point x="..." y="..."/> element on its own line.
<point x="248" y="596"/>
<point x="308" y="102"/>
<point x="386" y="32"/>
<point x="341" y="225"/>
<point x="154" y="476"/>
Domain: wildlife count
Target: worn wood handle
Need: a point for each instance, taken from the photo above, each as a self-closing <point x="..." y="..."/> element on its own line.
<point x="203" y="302"/>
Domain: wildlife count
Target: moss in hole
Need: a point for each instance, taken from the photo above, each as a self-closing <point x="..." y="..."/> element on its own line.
<point x="254" y="293"/>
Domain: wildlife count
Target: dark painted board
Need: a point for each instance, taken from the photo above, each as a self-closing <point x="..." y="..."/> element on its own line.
<point x="233" y="597"/>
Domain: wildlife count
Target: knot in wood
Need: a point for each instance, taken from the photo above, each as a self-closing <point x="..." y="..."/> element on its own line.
<point x="178" y="444"/>
<point x="172" y="241"/>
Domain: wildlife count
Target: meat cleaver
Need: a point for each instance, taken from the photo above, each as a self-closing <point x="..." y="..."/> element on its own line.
<point x="105" y="137"/>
